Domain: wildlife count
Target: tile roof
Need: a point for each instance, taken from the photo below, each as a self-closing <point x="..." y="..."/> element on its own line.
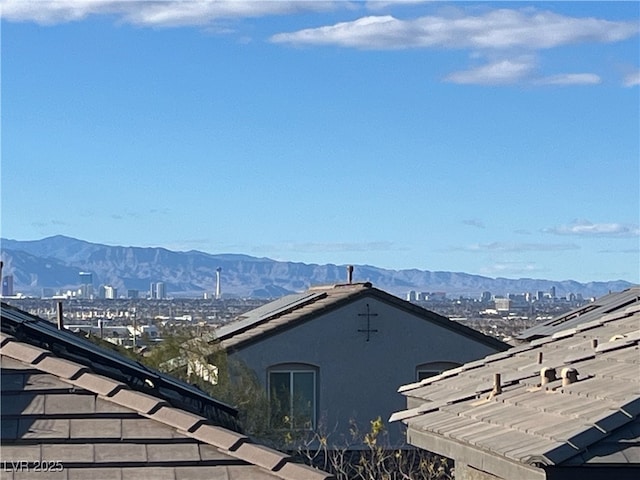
<point x="59" y="410"/>
<point x="294" y="309"/>
<point x="593" y="311"/>
<point x="592" y="420"/>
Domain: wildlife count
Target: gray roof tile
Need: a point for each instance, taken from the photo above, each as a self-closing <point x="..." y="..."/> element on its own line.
<point x="67" y="453"/>
<point x="42" y="428"/>
<point x="27" y="474"/>
<point x="173" y="452"/>
<point x="112" y="473"/>
<point x="44" y="381"/>
<point x="219" y="437"/>
<point x="69" y="403"/>
<point x="91" y="427"/>
<point x="260" y="455"/>
<point x="23" y="352"/>
<point x="21" y="453"/>
<point x="60" y="367"/>
<point x="528" y="422"/>
<point x="177" y="418"/>
<point x="120" y="452"/>
<point x="148" y="473"/>
<point x="98" y="384"/>
<point x="96" y="425"/>
<point x="145" y="428"/>
<point x="136" y="400"/>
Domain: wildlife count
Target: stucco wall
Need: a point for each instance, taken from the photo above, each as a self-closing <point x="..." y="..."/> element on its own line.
<point x="359" y="379"/>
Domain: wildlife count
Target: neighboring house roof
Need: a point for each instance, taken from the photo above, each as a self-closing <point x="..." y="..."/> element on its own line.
<point x="69" y="404"/>
<point x="295" y="309"/>
<point x="592" y="421"/>
<point x="591" y="311"/>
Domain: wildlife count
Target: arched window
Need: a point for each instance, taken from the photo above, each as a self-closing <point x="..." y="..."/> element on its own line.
<point x="431" y="369"/>
<point x="293" y="391"/>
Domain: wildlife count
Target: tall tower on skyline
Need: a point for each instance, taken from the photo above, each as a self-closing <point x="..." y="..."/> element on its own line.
<point x="218" y="287"/>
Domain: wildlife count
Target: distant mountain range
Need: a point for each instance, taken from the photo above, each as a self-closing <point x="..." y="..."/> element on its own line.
<point x="55" y="262"/>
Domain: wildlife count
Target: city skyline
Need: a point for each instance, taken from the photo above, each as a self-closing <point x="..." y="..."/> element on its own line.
<point x="492" y="138"/>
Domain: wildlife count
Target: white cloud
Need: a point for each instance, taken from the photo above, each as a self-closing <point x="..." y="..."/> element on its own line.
<point x="585" y="228"/>
<point x="520" y="247"/>
<point x="632" y="79"/>
<point x="571" y="79"/>
<point x="496" y="30"/>
<point x="500" y="72"/>
<point x="168" y="13"/>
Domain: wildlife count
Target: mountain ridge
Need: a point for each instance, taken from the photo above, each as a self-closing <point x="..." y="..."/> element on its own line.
<point x="54" y="262"/>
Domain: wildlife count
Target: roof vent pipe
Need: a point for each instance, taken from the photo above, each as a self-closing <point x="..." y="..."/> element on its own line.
<point x="539" y="358"/>
<point x="569" y="376"/>
<point x="60" y="316"/>
<point x="594" y="343"/>
<point x="497" y="384"/>
<point x="349" y="274"/>
<point x="547" y="375"/>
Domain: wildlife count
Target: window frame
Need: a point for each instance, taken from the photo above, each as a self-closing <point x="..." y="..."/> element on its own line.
<point x="291" y="370"/>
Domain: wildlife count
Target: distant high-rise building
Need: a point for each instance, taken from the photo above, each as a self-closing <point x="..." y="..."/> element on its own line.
<point x="157" y="291"/>
<point x="86" y="284"/>
<point x="7" y="286"/>
<point x="486" y="297"/>
<point x="553" y="292"/>
<point x="110" y="292"/>
<point x="411" y="296"/>
<point x="86" y="278"/>
<point x="132" y="293"/>
<point x="160" y="291"/>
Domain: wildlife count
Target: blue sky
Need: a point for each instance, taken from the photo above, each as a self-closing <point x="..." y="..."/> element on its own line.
<point x="494" y="138"/>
